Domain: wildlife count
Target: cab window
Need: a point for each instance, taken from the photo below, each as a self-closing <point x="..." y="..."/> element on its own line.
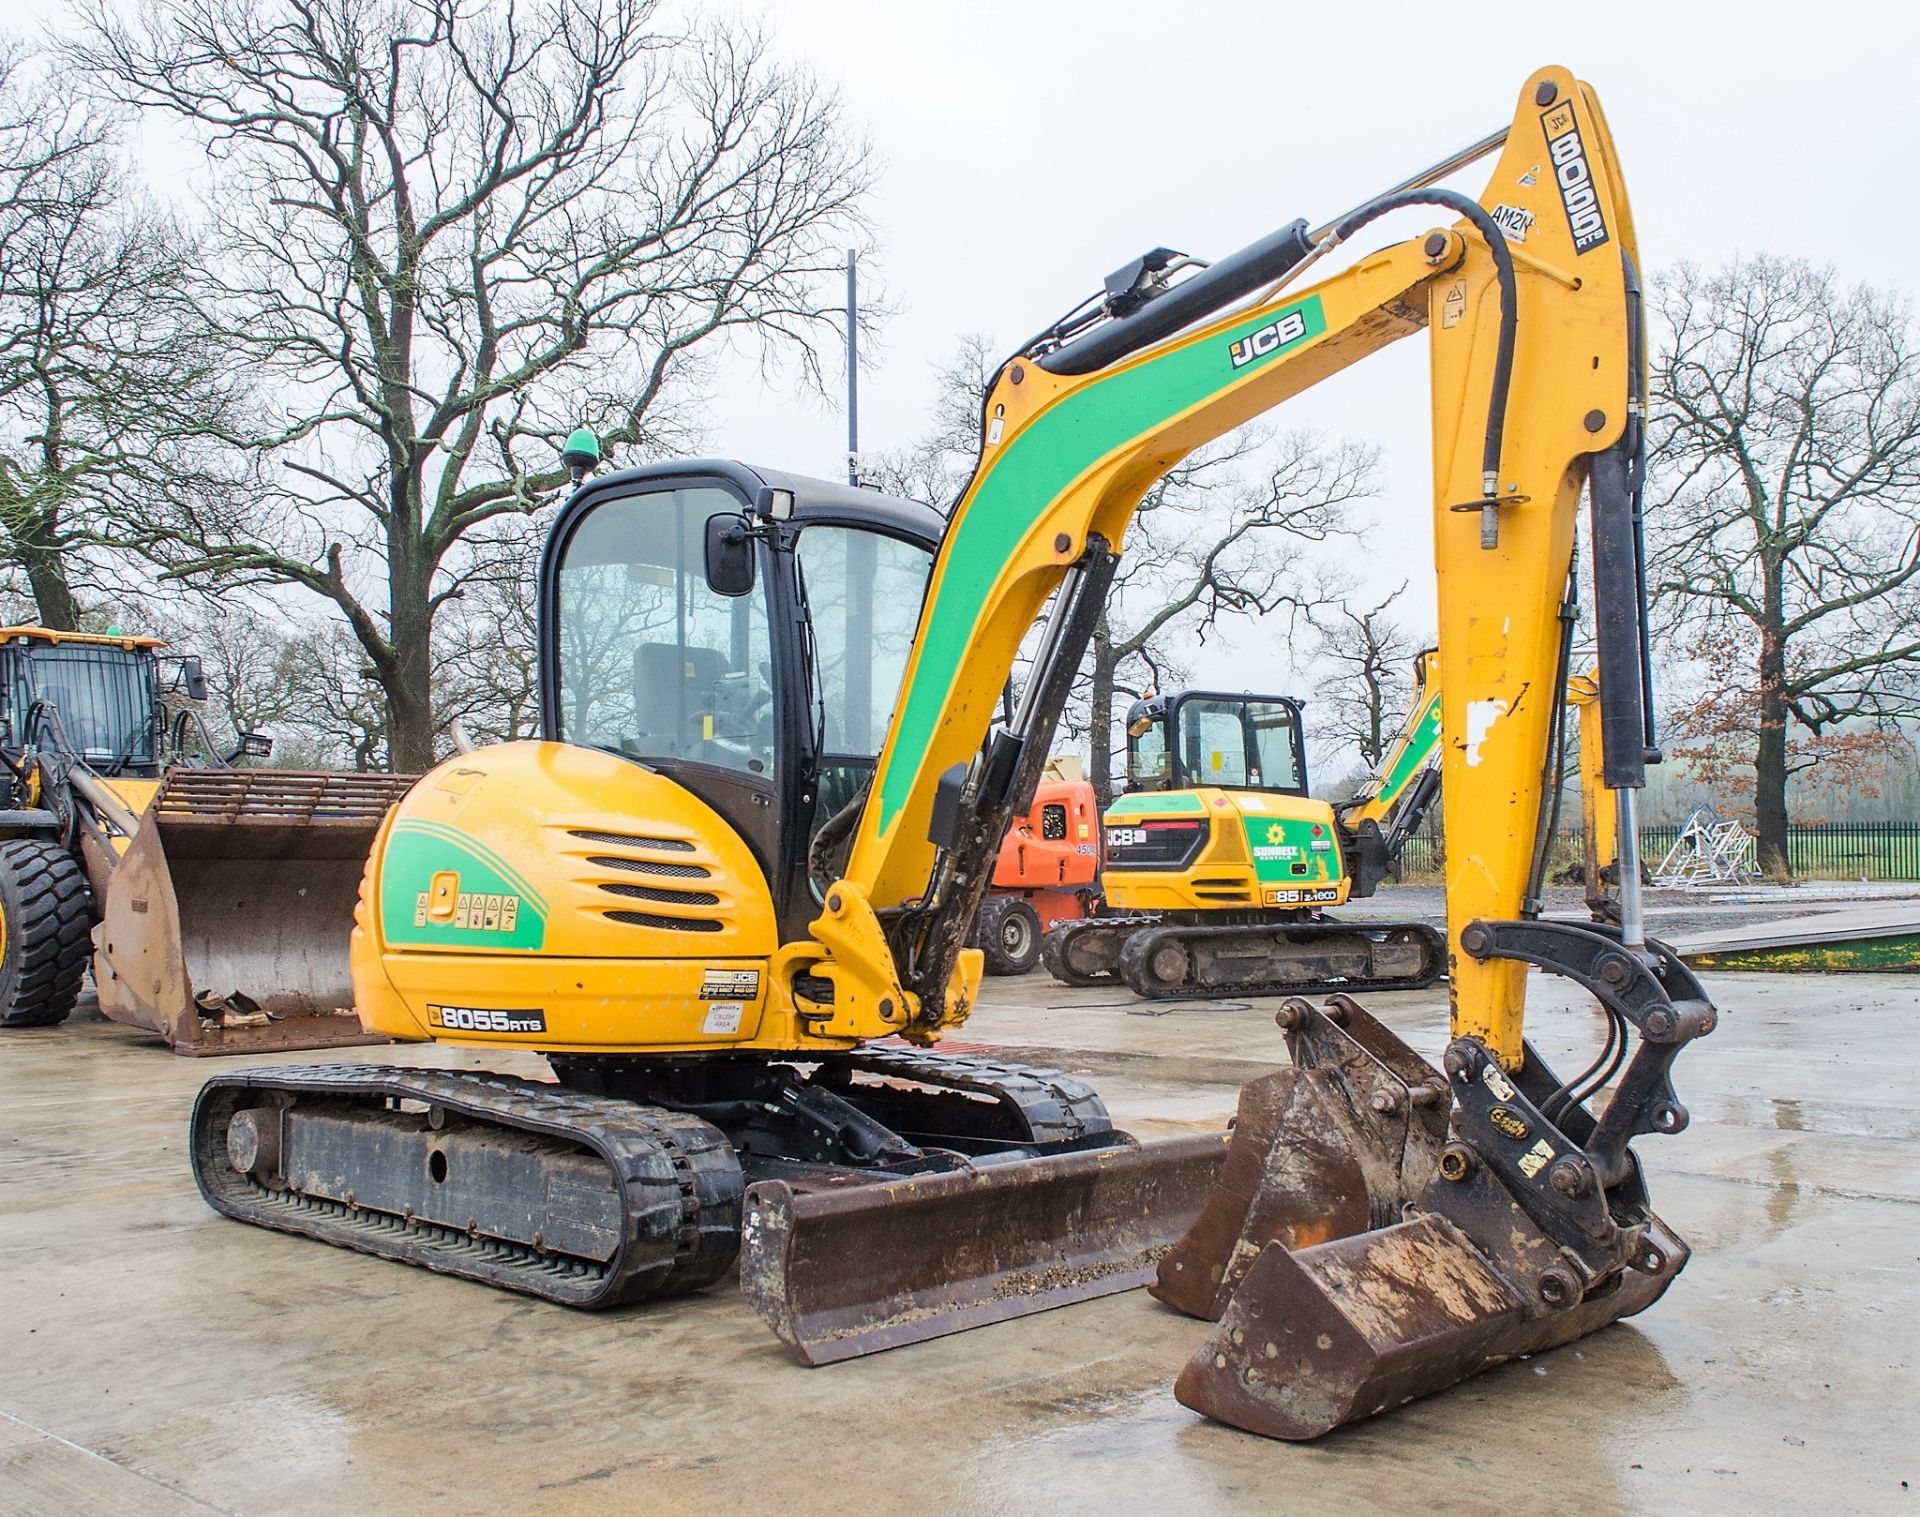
<point x="1275" y="731"/>
<point x="862" y="592"/>
<point x="653" y="663"/>
<point x="1213" y="742"/>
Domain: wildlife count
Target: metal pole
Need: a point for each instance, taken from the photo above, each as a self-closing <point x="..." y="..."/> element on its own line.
<point x="1427" y="177"/>
<point x="853" y="370"/>
<point x="1633" y="932"/>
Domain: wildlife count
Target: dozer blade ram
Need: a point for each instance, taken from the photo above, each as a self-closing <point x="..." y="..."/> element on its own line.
<point x="225" y="923"/>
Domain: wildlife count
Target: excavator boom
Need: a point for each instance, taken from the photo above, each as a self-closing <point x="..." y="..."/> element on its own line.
<point x="1383" y="1227"/>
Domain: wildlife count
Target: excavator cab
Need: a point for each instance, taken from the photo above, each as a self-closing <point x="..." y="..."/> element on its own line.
<point x="741" y="633"/>
<point x="1207" y="737"/>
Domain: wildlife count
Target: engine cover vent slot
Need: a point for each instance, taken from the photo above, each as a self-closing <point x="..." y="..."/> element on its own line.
<point x="652" y="866"/>
<point x="662" y="894"/>
<point x="669" y="924"/>
<point x="632" y="840"/>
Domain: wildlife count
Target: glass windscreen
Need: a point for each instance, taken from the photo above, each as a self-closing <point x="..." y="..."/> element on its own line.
<point x="863" y="593"/>
<point x="104" y="697"/>
<point x="1147" y="759"/>
<point x="1249" y="744"/>
<point x="1213" y="743"/>
<point x="652" y="662"/>
<point x="1275" y="729"/>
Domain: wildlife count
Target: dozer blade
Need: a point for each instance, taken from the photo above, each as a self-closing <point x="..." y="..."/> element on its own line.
<point x="1381" y="1232"/>
<point x="838" y="1273"/>
<point x="225" y="924"/>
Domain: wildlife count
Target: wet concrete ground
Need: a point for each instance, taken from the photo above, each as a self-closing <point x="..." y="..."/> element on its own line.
<point x="155" y="1358"/>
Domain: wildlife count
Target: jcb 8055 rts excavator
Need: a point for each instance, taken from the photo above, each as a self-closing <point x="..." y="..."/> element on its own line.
<point x="639" y="897"/>
<point x="1219" y="865"/>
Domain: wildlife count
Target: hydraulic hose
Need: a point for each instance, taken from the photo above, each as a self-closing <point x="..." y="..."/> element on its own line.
<point x="1470" y="210"/>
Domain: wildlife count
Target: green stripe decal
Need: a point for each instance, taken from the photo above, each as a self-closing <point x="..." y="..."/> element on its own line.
<point x="479" y="850"/>
<point x="1030" y="474"/>
<point x="1150" y="804"/>
<point x="1419" y="748"/>
<point x="505" y="912"/>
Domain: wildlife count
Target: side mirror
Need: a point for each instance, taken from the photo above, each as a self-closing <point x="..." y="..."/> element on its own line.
<point x="193" y="677"/>
<point x="729" y="555"/>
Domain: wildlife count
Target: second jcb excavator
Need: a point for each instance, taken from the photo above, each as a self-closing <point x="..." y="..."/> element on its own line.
<point x="737" y="866"/>
<point x="1220" y="866"/>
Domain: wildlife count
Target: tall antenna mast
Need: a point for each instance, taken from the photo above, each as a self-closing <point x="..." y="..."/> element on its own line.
<point x="853" y="370"/>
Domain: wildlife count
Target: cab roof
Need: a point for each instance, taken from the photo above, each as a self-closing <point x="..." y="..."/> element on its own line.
<point x="97" y="639"/>
<point x="813" y="499"/>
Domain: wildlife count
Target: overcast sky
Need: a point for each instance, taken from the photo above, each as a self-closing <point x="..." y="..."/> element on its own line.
<point x="1032" y="145"/>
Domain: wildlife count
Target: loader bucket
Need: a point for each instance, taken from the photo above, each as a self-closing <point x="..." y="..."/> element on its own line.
<point x="225" y="924"/>
<point x="837" y="1273"/>
<point x="1354" y="1258"/>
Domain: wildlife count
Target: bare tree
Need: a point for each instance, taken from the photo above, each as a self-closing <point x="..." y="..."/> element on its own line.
<point x="1217" y="537"/>
<point x="936" y="467"/>
<point x="114" y="392"/>
<point x="453" y="230"/>
<point x="1786" y="513"/>
<point x="1370" y="655"/>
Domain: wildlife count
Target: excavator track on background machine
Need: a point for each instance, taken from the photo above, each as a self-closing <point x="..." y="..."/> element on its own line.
<point x="1220" y="867"/>
<point x="765" y="806"/>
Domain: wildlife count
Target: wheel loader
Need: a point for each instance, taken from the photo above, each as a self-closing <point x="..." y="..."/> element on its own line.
<point x="213" y="902"/>
<point x="1220" y="867"/>
<point x="742" y="1019"/>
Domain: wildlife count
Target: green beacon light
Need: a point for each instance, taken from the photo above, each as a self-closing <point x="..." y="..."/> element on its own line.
<point x="581" y="453"/>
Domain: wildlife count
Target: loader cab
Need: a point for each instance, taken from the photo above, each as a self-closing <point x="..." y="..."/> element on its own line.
<point x="96" y="697"/>
<point x="1199" y="738"/>
<point x="741" y="631"/>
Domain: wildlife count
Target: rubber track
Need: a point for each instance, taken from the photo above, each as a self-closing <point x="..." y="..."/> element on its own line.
<point x="677" y="1177"/>
<point x="1138" y="947"/>
<point x="1056" y="1107"/>
<point x="1053" y="945"/>
<point x="51" y="931"/>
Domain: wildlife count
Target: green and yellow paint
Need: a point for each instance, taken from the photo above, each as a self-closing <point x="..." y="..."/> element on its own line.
<point x="442" y="888"/>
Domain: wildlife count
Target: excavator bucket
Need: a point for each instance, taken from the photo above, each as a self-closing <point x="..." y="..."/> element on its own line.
<point x="841" y="1272"/>
<point x="225" y="924"/>
<point x="1357" y="1255"/>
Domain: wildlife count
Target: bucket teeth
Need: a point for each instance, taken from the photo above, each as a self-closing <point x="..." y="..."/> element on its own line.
<point x="1361" y="1251"/>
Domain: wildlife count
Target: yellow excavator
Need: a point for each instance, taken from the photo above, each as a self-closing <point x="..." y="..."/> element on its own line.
<point x="728" y="893"/>
<point x="1219" y="865"/>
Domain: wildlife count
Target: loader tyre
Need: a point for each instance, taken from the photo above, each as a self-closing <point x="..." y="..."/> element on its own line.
<point x="1009" y="934"/>
<point x="46" y="925"/>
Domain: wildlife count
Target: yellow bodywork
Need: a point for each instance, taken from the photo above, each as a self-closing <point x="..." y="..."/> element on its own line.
<point x="1599" y="808"/>
<point x="1262" y="850"/>
<point x="524" y="877"/>
<point x="1028" y="514"/>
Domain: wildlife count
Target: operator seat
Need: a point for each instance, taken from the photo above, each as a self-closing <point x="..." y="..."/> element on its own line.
<point x="669" y="679"/>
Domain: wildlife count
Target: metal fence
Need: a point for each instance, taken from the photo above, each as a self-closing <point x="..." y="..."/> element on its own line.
<point x="1843" y="851"/>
